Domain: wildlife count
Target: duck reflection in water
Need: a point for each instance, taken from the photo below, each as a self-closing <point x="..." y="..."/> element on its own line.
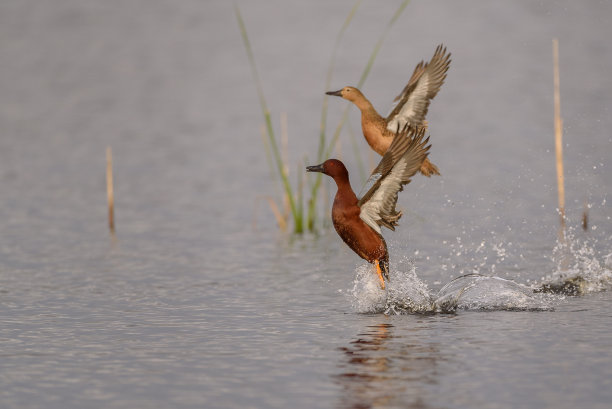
<point x="380" y="369"/>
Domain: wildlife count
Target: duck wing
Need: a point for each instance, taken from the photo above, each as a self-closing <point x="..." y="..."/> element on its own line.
<point x="401" y="161"/>
<point x="413" y="102"/>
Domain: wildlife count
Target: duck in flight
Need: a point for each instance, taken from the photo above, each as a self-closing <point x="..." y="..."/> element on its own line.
<point x="358" y="221"/>
<point x="411" y="105"/>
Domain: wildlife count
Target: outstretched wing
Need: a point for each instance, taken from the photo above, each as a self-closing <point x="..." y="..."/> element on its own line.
<point x="413" y="102"/>
<point x="401" y="161"/>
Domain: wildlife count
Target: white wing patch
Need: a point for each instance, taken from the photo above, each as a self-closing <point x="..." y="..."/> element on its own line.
<point x="384" y="199"/>
<point x="414" y="106"/>
<point x="369" y="183"/>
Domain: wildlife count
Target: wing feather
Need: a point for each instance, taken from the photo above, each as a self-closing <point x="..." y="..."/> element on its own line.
<point x="401" y="161"/>
<point x="426" y="80"/>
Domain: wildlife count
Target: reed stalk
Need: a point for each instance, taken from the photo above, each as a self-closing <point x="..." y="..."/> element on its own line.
<point x="300" y="188"/>
<point x="330" y="70"/>
<point x="109" y="190"/>
<point x="312" y="208"/>
<point x="280" y="166"/>
<point x="269" y="160"/>
<point x="277" y="159"/>
<point x="559" y="138"/>
<point x="280" y="219"/>
<point x="284" y="127"/>
<point x="364" y="75"/>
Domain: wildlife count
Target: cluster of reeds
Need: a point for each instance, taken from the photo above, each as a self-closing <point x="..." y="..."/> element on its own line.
<point x="294" y="197"/>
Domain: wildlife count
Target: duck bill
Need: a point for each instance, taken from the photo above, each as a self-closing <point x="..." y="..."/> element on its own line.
<point x="335" y="93"/>
<point x="316" y="168"/>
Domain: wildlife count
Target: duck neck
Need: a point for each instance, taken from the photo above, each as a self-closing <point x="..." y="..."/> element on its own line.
<point x="373" y="127"/>
<point x="364" y="104"/>
<point x="345" y="193"/>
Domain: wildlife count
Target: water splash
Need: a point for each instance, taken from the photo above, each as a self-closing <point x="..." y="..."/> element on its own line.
<point x="578" y="270"/>
<point x="479" y="292"/>
<point x="407" y="294"/>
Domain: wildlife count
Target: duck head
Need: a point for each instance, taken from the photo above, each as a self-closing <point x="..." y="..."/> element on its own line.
<point x="331" y="167"/>
<point x="348" y="93"/>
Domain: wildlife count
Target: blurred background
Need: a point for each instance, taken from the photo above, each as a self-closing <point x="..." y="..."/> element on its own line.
<point x="168" y="86"/>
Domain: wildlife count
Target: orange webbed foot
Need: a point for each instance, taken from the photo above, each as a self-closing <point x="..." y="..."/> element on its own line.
<point x="380" y="275"/>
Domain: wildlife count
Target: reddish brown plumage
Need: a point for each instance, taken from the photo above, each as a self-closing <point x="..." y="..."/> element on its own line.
<point x="360" y="237"/>
<point x="358" y="221"/>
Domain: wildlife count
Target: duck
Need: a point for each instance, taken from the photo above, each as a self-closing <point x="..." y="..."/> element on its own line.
<point x="410" y="108"/>
<point x="358" y="220"/>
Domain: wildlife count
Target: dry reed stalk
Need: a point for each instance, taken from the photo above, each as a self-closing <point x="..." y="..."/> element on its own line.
<point x="286" y="206"/>
<point x="559" y="138"/>
<point x="109" y="189"/>
<point x="280" y="218"/>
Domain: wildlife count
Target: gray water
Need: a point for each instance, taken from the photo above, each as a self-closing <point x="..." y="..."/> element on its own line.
<point x="200" y="301"/>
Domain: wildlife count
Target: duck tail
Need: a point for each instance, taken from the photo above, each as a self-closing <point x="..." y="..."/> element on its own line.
<point x="428" y="168"/>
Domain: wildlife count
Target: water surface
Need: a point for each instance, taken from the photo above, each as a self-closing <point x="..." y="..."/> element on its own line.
<point x="201" y="302"/>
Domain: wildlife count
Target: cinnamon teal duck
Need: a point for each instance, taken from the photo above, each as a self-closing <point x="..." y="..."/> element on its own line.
<point x="358" y="221"/>
<point x="411" y="105"/>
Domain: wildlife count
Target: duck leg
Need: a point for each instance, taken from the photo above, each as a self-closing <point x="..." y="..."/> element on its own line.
<point x="380" y="274"/>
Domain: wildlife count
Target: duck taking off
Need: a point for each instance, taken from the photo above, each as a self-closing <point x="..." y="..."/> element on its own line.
<point x="411" y="105"/>
<point x="358" y="220"/>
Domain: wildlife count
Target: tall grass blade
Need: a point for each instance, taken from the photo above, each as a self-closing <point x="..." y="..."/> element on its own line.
<point x="284" y="125"/>
<point x="298" y="222"/>
<point x="266" y="144"/>
<point x="330" y="71"/>
<point x="327" y="152"/>
<point x="300" y="188"/>
<point x="365" y="73"/>
<point x="312" y="208"/>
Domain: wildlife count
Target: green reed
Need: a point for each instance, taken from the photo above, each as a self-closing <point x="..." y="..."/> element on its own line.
<point x="324" y="149"/>
<point x="296" y="211"/>
<point x="325" y="153"/>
